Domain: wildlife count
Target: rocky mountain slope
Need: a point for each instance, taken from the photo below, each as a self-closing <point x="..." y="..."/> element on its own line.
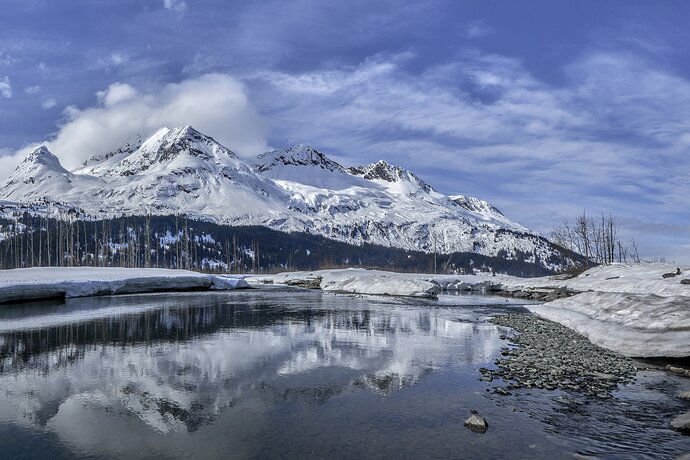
<point x="296" y="189"/>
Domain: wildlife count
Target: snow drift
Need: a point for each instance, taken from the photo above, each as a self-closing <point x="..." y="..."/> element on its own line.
<point x="56" y="282"/>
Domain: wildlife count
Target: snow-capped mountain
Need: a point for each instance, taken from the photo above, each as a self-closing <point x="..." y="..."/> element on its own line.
<point x="41" y="175"/>
<point x="296" y="189"/>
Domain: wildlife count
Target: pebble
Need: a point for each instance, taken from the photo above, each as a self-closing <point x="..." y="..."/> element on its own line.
<point x="551" y="356"/>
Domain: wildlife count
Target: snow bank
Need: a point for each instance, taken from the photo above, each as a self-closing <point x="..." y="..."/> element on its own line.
<point x="622" y="278"/>
<point x="639" y="325"/>
<point x="635" y="278"/>
<point x="51" y="282"/>
<point x="631" y="309"/>
<point x="225" y="282"/>
<point x="378" y="283"/>
<point x="375" y="282"/>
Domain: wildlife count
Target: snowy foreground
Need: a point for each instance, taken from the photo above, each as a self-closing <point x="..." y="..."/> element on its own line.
<point x="51" y="282"/>
<point x="630" y="309"/>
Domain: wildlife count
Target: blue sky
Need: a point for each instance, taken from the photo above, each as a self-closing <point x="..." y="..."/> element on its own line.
<point x="545" y="108"/>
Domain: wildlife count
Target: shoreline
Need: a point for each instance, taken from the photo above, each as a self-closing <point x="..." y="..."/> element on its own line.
<point x="637" y="310"/>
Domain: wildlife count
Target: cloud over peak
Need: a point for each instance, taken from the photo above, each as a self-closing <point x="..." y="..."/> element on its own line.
<point x="216" y="104"/>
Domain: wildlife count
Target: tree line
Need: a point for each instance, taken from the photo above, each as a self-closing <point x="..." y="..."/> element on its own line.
<point x="67" y="239"/>
<point x="597" y="239"/>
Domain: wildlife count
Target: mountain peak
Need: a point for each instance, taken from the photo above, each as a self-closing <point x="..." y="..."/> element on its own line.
<point x="295" y="189"/>
<point x="40" y="152"/>
<point x="382" y="170"/>
<point x="163" y="146"/>
<point x="40" y="174"/>
<point x="41" y="156"/>
<point x="185" y="132"/>
<point x="298" y="155"/>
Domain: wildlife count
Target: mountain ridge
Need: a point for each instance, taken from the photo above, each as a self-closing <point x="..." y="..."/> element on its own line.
<point x="295" y="189"/>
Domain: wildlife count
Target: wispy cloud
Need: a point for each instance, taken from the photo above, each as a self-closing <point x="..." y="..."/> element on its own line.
<point x="32" y="89"/>
<point x="6" y="60"/>
<point x="614" y="137"/>
<point x="178" y="6"/>
<point x="541" y="114"/>
<point x="115" y="59"/>
<point x="5" y="87"/>
<point x="477" y="29"/>
<point x="48" y="104"/>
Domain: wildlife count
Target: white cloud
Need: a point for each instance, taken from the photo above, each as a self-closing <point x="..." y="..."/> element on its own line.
<point x="32" y="89"/>
<point x="5" y="87"/>
<point x="49" y="104"/>
<point x="215" y="104"/>
<point x="116" y="93"/>
<point x="477" y="29"/>
<point x="178" y="6"/>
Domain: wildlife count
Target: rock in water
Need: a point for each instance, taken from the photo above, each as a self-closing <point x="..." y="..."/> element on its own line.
<point x="676" y="370"/>
<point x="685" y="281"/>
<point x="684" y="395"/>
<point x="680" y="423"/>
<point x="477" y="423"/>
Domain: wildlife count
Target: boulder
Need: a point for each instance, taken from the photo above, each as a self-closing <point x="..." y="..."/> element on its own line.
<point x="680" y="423"/>
<point x="685" y="281"/>
<point x="477" y="423"/>
<point x="676" y="370"/>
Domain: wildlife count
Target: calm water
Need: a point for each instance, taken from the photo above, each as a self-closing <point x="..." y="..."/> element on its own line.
<point x="294" y="373"/>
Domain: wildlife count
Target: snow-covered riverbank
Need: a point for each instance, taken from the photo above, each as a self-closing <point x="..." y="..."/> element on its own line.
<point x="55" y="282"/>
<point x="375" y="282"/>
<point x="631" y="309"/>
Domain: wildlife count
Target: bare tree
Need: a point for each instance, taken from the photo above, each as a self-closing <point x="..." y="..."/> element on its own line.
<point x="597" y="240"/>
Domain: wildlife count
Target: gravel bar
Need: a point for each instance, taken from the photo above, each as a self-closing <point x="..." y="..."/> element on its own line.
<point x="544" y="354"/>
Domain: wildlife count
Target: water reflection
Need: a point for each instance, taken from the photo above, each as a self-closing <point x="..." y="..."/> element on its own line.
<point x="180" y="364"/>
<point x="275" y="373"/>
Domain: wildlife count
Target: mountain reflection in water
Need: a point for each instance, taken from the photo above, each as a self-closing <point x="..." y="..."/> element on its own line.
<point x="270" y="372"/>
